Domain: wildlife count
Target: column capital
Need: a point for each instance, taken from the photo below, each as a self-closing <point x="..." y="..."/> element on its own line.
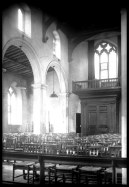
<point x="64" y="94"/>
<point x="39" y="85"/>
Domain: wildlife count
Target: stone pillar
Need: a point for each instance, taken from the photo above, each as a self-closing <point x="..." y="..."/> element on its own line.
<point x="124" y="89"/>
<point x="91" y="73"/>
<point x="119" y="56"/>
<point x="5" y="111"/>
<point x="64" y="111"/>
<point x="25" y="110"/>
<point x="36" y="107"/>
<point x="43" y="112"/>
<point x="39" y="108"/>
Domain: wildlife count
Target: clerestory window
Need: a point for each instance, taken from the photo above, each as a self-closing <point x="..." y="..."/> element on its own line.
<point x="24" y="21"/>
<point x="56" y="45"/>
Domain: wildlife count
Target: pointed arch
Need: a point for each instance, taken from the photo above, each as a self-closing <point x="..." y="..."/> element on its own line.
<point x="60" y="74"/>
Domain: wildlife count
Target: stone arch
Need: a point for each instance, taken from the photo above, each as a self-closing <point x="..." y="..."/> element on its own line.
<point x="61" y="75"/>
<point x="30" y="53"/>
<point x="107" y="41"/>
<point x="62" y="101"/>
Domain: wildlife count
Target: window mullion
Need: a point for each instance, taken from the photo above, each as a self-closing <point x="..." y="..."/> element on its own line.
<point x="99" y="67"/>
<point x="108" y="65"/>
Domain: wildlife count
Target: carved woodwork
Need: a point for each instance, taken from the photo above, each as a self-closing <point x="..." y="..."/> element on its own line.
<point x="100" y="111"/>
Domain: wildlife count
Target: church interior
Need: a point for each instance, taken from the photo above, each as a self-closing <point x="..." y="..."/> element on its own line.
<point x="64" y="100"/>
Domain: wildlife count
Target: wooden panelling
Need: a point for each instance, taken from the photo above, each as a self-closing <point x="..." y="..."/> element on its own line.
<point x="103" y="108"/>
<point x="92" y="117"/>
<point x="103" y="118"/>
<point x="98" y="116"/>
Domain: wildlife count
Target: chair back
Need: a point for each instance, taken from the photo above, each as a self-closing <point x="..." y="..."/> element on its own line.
<point x="10" y="143"/>
<point x="32" y="148"/>
<point x="48" y="148"/>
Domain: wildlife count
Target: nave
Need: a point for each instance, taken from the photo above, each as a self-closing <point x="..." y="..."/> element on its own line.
<point x="64" y="158"/>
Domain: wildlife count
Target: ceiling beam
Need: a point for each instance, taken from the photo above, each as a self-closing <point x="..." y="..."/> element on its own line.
<point x="16" y="62"/>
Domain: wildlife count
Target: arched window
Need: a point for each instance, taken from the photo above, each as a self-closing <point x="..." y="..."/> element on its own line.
<point x="56" y="45"/>
<point x="105" y="61"/>
<point x="11" y="106"/>
<point x="24" y="20"/>
<point x="14" y="107"/>
<point x="20" y="20"/>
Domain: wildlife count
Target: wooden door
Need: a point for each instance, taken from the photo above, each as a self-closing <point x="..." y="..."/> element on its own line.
<point x="91" y="119"/>
<point x="97" y="119"/>
<point x="78" y="122"/>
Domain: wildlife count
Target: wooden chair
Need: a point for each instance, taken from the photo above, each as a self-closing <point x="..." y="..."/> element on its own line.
<point x="10" y="144"/>
<point x="108" y="176"/>
<point x="89" y="175"/>
<point x="64" y="173"/>
<point x="94" y="150"/>
<point x="115" y="151"/>
<point x="48" y="148"/>
<point x="59" y="172"/>
<point x="32" y="148"/>
<point x="24" y="166"/>
<point x="69" y="149"/>
<point x="45" y="148"/>
<point x="48" y="177"/>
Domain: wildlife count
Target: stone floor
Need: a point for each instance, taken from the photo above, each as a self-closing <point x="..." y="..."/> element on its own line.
<point x="7" y="174"/>
<point x="7" y="171"/>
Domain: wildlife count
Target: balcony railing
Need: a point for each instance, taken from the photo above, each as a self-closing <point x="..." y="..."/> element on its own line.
<point x="95" y="84"/>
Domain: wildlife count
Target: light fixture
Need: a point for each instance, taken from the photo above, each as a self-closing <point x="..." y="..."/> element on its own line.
<point x="53" y="94"/>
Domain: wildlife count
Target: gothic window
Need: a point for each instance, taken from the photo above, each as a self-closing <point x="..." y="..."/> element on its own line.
<point x="105" y="61"/>
<point x="11" y="106"/>
<point x="24" y="20"/>
<point x="14" y="107"/>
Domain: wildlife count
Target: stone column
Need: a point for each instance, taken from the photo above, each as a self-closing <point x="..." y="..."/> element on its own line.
<point x="39" y="108"/>
<point x="91" y="73"/>
<point x="64" y="111"/>
<point x="5" y="111"/>
<point x="43" y="112"/>
<point x="124" y="89"/>
<point x="36" y="107"/>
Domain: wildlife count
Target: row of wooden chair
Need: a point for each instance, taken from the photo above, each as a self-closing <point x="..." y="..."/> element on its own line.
<point x="87" y="149"/>
<point x="56" y="173"/>
<point x="60" y="137"/>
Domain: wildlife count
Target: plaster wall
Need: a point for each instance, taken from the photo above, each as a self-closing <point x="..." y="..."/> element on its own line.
<point x="78" y="72"/>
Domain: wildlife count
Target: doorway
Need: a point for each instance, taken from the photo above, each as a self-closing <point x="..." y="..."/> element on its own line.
<point x="78" y="122"/>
